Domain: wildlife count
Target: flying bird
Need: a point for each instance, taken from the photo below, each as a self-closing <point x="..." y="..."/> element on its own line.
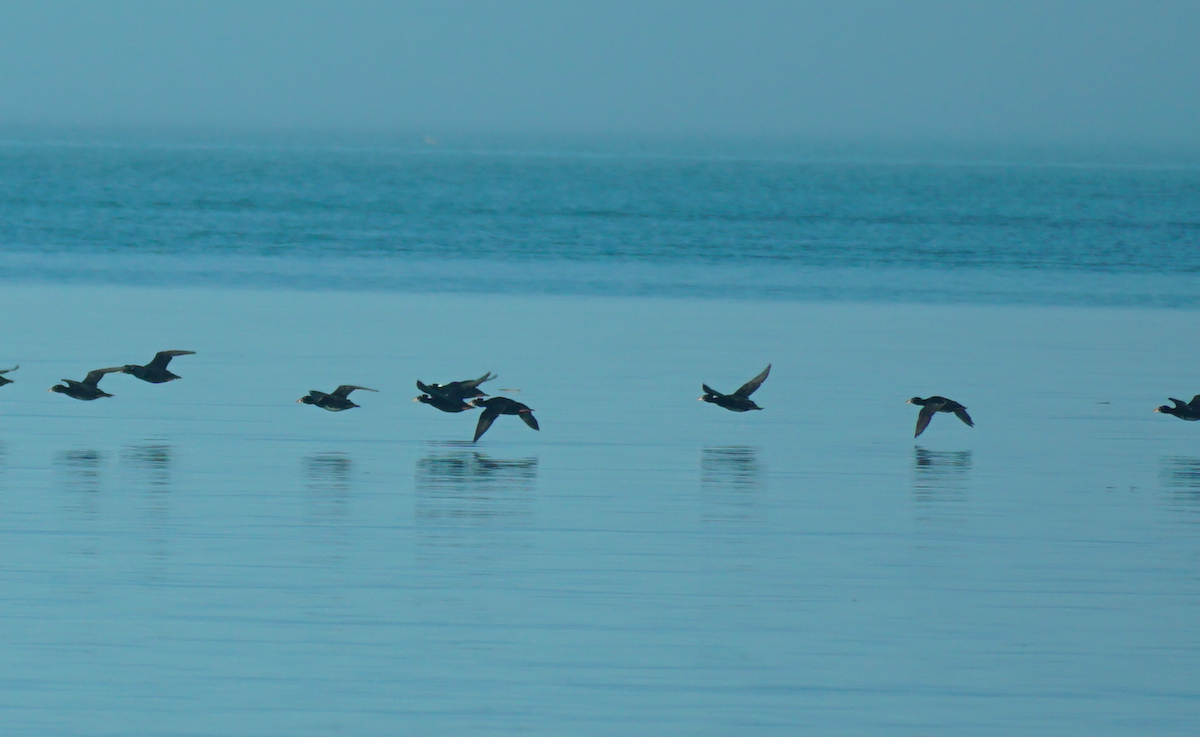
<point x="3" y="380"/>
<point x="335" y="402"/>
<point x="740" y="400"/>
<point x="496" y="406"/>
<point x="87" y="390"/>
<point x="445" y="404"/>
<point x="156" y="371"/>
<point x="933" y="405"/>
<point x="1189" y="411"/>
<point x="450" y="397"/>
<point x="460" y="390"/>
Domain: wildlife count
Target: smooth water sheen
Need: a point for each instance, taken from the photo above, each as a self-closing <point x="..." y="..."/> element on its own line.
<point x="209" y="557"/>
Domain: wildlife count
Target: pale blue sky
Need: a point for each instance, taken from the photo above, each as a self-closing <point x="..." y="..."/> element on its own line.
<point x="1027" y="71"/>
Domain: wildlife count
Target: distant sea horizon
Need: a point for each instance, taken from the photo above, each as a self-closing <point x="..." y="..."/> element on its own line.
<point x="689" y="216"/>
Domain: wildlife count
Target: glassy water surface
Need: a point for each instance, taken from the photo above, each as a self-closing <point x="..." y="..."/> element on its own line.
<point x="207" y="556"/>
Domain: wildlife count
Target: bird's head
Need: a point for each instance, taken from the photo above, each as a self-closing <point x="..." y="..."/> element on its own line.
<point x="915" y="400"/>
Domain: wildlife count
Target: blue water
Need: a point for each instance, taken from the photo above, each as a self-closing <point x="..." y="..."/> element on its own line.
<point x="560" y="221"/>
<point x="208" y="557"/>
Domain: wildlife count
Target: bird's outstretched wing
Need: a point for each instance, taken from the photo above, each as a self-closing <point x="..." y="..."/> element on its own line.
<point x="485" y="421"/>
<point x="162" y="358"/>
<point x="709" y="390"/>
<point x="14" y="368"/>
<point x="1194" y="404"/>
<point x="961" y="413"/>
<point x="530" y="420"/>
<point x="431" y="391"/>
<point x="344" y="390"/>
<point x="474" y="383"/>
<point x="750" y="386"/>
<point x="923" y="419"/>
<point x="93" y="378"/>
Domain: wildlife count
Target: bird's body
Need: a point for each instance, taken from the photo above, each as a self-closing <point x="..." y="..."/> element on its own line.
<point x="335" y="401"/>
<point x="156" y="371"/>
<point x="445" y="404"/>
<point x="496" y="406"/>
<point x="451" y="397"/>
<point x="933" y="405"/>
<point x="740" y="400"/>
<point x="3" y="379"/>
<point x="1189" y="411"/>
<point x="88" y="389"/>
<point x="458" y="389"/>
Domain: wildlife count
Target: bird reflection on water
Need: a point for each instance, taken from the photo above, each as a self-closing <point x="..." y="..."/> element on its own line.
<point x="460" y="493"/>
<point x="78" y="472"/>
<point x="940" y="475"/>
<point x="731" y="482"/>
<point x="1180" y="478"/>
<point x="941" y="479"/>
<point x="152" y="462"/>
<point x="149" y="467"/>
<point x="327" y="478"/>
<point x="80" y="469"/>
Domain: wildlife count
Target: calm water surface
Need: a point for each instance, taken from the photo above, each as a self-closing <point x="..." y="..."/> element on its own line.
<point x="209" y="557"/>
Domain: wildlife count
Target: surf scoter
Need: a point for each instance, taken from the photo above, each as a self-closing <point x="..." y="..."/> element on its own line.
<point x="496" y="406"/>
<point x="933" y="405"/>
<point x="450" y="397"/>
<point x="1189" y="411"/>
<point x="458" y="389"/>
<point x="740" y="400"/>
<point x="156" y="372"/>
<point x="334" y="402"/>
<point x="87" y="390"/>
<point x="3" y="380"/>
<point x="445" y="404"/>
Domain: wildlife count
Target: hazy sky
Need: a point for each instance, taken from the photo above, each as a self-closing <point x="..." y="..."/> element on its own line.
<point x="1013" y="70"/>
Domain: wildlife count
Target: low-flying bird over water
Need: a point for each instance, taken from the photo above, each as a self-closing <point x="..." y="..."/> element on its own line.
<point x="458" y="389"/>
<point x="4" y="380"/>
<point x="496" y="406"/>
<point x="740" y="400"/>
<point x="87" y="390"/>
<point x="335" y="402"/>
<point x="156" y="372"/>
<point x="445" y="404"/>
<point x="933" y="405"/>
<point x="1189" y="411"/>
<point x="450" y="397"/>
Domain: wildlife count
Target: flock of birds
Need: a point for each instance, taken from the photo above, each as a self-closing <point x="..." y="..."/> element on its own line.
<point x="452" y="397"/>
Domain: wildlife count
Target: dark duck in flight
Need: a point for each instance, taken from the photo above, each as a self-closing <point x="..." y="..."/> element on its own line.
<point x="450" y="397"/>
<point x="335" y="402"/>
<point x="740" y="400"/>
<point x="3" y="379"/>
<point x="156" y="372"/>
<point x="87" y="390"/>
<point x="933" y="405"/>
<point x="496" y="406"/>
<point x="1189" y="411"/>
